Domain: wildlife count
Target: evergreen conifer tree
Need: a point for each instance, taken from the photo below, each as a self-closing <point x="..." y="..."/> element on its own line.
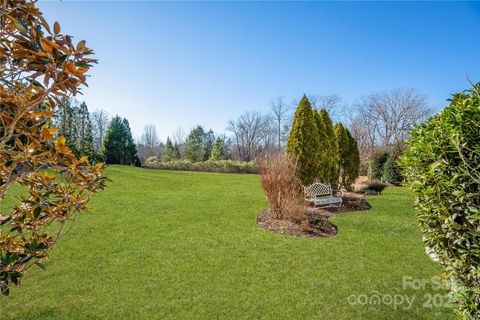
<point x="67" y="123"/>
<point x="329" y="148"/>
<point x="170" y="152"/>
<point x="209" y="140"/>
<point x="303" y="141"/>
<point x="84" y="143"/>
<point x="218" y="150"/>
<point x="118" y="146"/>
<point x="354" y="160"/>
<point x="349" y="157"/>
<point x="195" y="145"/>
<point x="130" y="156"/>
<point x="343" y="143"/>
<point x="323" y="173"/>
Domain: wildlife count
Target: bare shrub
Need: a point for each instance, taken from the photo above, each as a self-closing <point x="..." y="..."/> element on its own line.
<point x="283" y="190"/>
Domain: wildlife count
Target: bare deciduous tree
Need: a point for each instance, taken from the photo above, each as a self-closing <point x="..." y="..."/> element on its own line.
<point x="150" y="136"/>
<point x="333" y="103"/>
<point x="247" y="131"/>
<point x="279" y="111"/>
<point x="149" y="144"/>
<point x="385" y="118"/>
<point x="100" y="121"/>
<point x="179" y="137"/>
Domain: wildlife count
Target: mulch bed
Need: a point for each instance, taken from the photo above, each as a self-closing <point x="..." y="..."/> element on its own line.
<point x="316" y="223"/>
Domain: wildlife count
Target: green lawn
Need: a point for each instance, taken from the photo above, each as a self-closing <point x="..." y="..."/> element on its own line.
<point x="181" y="245"/>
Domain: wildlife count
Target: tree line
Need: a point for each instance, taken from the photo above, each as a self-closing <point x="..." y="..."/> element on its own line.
<point x="377" y="122"/>
<point x="96" y="135"/>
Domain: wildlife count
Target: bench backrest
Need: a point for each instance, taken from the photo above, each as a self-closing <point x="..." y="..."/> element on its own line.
<point x="318" y="189"/>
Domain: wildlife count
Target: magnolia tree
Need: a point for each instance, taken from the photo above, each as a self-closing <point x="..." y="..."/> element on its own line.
<point x="38" y="66"/>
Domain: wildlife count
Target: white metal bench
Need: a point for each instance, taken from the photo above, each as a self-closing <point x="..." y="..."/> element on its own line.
<point x="321" y="194"/>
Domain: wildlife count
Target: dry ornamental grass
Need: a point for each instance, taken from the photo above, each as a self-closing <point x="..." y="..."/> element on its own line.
<point x="282" y="187"/>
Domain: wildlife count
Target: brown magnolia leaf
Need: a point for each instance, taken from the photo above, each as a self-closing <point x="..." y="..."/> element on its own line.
<point x="44" y="23"/>
<point x="56" y="27"/>
<point x="48" y="133"/>
<point x="81" y="45"/>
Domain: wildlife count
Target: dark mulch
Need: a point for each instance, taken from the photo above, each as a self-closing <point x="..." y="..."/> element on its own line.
<point x="316" y="223"/>
<point x="351" y="202"/>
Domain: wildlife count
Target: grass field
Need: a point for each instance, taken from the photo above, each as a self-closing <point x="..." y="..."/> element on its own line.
<point x="182" y="245"/>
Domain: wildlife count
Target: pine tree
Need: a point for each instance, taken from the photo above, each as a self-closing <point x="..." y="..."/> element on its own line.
<point x="130" y="156"/>
<point x="209" y="140"/>
<point x="67" y="123"/>
<point x="118" y="146"/>
<point x="195" y="145"/>
<point x="84" y="143"/>
<point x="218" y="150"/>
<point x="114" y="141"/>
<point x="170" y="152"/>
<point x="303" y="141"/>
<point x="329" y="148"/>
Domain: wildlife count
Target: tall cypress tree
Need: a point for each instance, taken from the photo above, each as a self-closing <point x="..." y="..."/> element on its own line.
<point x="343" y="143"/>
<point x="303" y="141"/>
<point x="354" y="160"/>
<point x="323" y="174"/>
<point x="329" y="149"/>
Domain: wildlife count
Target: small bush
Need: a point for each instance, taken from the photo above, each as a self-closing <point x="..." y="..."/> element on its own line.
<point x="151" y="160"/>
<point x="221" y="166"/>
<point x="374" y="187"/>
<point x="375" y="168"/>
<point x="383" y="167"/>
<point x="282" y="187"/>
<point x="391" y="171"/>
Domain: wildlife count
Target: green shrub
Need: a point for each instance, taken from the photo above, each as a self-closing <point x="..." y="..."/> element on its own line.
<point x="218" y="150"/>
<point x="374" y="187"/>
<point x="151" y="160"/>
<point x="225" y="166"/>
<point x="391" y="171"/>
<point x="442" y="168"/>
<point x="375" y="167"/>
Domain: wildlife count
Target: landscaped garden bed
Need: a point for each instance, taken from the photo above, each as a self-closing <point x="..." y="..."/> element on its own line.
<point x="316" y="220"/>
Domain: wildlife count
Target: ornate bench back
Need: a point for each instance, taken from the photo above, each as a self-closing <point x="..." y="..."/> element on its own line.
<point x="318" y="189"/>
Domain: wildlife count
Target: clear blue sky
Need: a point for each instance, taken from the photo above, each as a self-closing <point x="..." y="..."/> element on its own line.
<point x="182" y="64"/>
